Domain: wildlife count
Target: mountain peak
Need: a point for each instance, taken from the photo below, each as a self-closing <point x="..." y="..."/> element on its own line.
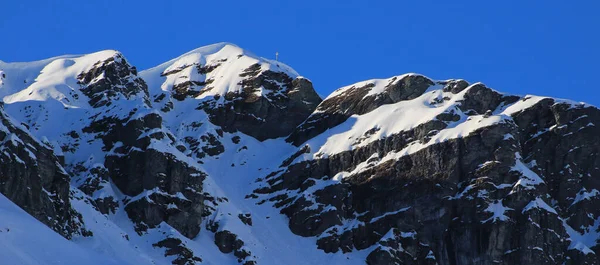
<point x="54" y="78"/>
<point x="220" y="65"/>
<point x="227" y="81"/>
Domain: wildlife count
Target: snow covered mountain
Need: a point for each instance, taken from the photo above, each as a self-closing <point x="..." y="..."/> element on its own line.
<point x="219" y="156"/>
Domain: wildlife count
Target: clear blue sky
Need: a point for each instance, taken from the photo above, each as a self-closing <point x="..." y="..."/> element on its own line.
<point x="523" y="47"/>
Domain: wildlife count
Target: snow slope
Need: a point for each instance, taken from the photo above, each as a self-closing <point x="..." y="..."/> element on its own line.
<point x="26" y="241"/>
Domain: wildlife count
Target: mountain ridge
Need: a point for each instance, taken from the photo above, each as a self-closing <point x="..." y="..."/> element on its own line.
<point x="219" y="156"/>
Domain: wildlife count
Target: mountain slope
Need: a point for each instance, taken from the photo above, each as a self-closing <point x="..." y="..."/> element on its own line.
<point x="219" y="156"/>
<point x="24" y="240"/>
<point x="447" y="165"/>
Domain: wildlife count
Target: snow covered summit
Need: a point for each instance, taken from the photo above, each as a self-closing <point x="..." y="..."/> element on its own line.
<point x="238" y="90"/>
<point x="211" y="70"/>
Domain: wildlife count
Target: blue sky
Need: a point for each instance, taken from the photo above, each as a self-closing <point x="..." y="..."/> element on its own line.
<point x="522" y="47"/>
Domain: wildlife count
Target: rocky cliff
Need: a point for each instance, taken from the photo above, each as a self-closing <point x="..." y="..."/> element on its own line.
<point x="223" y="157"/>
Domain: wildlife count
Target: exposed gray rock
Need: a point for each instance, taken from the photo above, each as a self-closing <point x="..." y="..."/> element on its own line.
<point x="32" y="177"/>
<point x="246" y="218"/>
<point x="454" y="85"/>
<point x="154" y="179"/>
<point x="228" y="242"/>
<point x="110" y="79"/>
<point x="287" y="103"/>
<point x="354" y="100"/>
<point x="175" y="247"/>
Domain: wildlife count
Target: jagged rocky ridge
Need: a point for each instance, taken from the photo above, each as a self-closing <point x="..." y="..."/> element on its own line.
<point x="222" y="157"/>
<point x="510" y="191"/>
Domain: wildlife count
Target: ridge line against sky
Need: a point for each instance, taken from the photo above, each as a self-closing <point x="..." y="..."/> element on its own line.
<point x="545" y="49"/>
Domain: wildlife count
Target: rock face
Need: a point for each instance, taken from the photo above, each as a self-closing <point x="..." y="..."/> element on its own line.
<point x="499" y="195"/>
<point x="109" y="79"/>
<point x="288" y="103"/>
<point x="359" y="99"/>
<point x="175" y="247"/>
<point x="220" y="156"/>
<point x="138" y="161"/>
<point x="32" y="177"/>
<point x="228" y="242"/>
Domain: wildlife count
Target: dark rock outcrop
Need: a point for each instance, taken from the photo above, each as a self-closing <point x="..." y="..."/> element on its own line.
<point x="355" y="100"/>
<point x="32" y="177"/>
<point x="176" y="248"/>
<point x="110" y="79"/>
<point x="142" y="158"/>
<point x="138" y="168"/>
<point x="286" y="103"/>
<point x="228" y="242"/>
